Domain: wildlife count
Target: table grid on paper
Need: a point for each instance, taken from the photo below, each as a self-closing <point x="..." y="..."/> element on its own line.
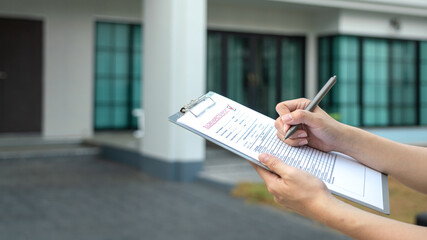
<point x="316" y="162"/>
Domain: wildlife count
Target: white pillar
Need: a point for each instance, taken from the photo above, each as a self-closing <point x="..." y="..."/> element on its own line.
<point x="174" y="73"/>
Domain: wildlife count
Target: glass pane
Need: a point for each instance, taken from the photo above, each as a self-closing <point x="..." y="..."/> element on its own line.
<point x="214" y="63"/>
<point x="403" y="84"/>
<point x="103" y="35"/>
<point x="121" y="35"/>
<point x="375" y="77"/>
<point x="121" y="92"/>
<point x="137" y="86"/>
<point x="136" y="94"/>
<point x="292" y="65"/>
<point x="136" y="65"/>
<point x="325" y="63"/>
<point x="117" y="75"/>
<point x="424" y="114"/>
<point x="423" y="83"/>
<point x="103" y="91"/>
<point x="137" y="38"/>
<point x="103" y="63"/>
<point x="345" y="66"/>
<point x="121" y="115"/>
<point x="369" y="115"/>
<point x="269" y="76"/>
<point x="423" y="102"/>
<point x="381" y="118"/>
<point x="102" y="117"/>
<point x="397" y="115"/>
<point x="239" y="74"/>
<point x="121" y="66"/>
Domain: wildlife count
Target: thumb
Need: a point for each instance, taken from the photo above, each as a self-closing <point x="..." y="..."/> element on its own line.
<point x="299" y="117"/>
<point x="273" y="163"/>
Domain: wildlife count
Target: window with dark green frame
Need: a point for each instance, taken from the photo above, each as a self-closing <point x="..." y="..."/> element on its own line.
<point x="340" y="56"/>
<point x="117" y="75"/>
<point x="375" y="82"/>
<point x="378" y="82"/>
<point x="423" y="83"/>
<point x="256" y="70"/>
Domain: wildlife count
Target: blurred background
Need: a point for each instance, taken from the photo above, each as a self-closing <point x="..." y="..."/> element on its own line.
<point x="84" y="81"/>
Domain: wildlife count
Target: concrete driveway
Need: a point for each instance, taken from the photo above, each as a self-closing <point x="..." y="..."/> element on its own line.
<point x="91" y="198"/>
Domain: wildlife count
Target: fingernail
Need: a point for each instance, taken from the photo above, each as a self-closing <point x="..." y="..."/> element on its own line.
<point x="287" y="117"/>
<point x="302" y="135"/>
<point x="263" y="157"/>
<point x="303" y="142"/>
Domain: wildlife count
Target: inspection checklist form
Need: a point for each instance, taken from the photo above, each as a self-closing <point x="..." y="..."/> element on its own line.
<point x="249" y="133"/>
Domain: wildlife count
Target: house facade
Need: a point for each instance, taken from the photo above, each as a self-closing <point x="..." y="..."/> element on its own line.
<point x="69" y="69"/>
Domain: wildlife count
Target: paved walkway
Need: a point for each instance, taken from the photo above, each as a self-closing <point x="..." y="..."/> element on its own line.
<point x="90" y="198"/>
<point x="225" y="168"/>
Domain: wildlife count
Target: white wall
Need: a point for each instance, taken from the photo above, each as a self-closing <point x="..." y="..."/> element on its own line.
<point x="68" y="62"/>
<point x="327" y="22"/>
<point x="261" y="18"/>
<point x="407" y="7"/>
<point x="378" y="25"/>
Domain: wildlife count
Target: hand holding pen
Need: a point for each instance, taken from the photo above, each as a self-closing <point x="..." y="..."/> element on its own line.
<point x="318" y="130"/>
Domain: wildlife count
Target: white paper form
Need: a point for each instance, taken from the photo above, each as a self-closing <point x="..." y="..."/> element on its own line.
<point x="252" y="133"/>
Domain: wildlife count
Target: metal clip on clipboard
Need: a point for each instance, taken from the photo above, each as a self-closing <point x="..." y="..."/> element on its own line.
<point x="193" y="103"/>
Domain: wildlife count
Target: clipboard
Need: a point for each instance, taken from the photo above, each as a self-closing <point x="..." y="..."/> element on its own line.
<point x="205" y="104"/>
<point x="188" y="109"/>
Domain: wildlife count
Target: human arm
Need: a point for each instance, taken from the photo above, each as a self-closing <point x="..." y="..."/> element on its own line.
<point x="404" y="162"/>
<point x="308" y="196"/>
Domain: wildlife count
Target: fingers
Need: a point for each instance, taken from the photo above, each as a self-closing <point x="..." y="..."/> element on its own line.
<point x="296" y="141"/>
<point x="283" y="123"/>
<point x="291" y="105"/>
<point x="299" y="117"/>
<point x="291" y="113"/>
<point x="264" y="174"/>
<point x="299" y="138"/>
<point x="274" y="164"/>
<point x="281" y="127"/>
<point x="303" y="117"/>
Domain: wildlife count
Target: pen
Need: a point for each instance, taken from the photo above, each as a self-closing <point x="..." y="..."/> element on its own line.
<point x="316" y="100"/>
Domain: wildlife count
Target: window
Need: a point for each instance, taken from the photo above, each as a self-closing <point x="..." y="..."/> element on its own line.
<point x="255" y="70"/>
<point x="377" y="80"/>
<point x="340" y="56"/>
<point x="117" y="75"/>
<point x="375" y="94"/>
<point x="403" y="86"/>
<point x="423" y="83"/>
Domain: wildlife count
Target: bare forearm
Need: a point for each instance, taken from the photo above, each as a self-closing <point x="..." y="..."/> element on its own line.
<point x="404" y="162"/>
<point x="359" y="224"/>
<point x="371" y="150"/>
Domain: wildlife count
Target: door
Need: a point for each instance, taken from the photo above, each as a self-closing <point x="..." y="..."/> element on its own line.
<point x="20" y="75"/>
<point x="256" y="70"/>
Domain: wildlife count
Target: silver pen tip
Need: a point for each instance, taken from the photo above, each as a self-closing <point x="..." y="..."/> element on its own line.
<point x="287" y="135"/>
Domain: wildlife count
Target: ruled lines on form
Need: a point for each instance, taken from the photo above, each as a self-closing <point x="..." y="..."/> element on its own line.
<point x="260" y="137"/>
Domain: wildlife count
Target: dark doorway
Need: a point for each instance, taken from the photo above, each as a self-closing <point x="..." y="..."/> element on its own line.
<point x="20" y="75"/>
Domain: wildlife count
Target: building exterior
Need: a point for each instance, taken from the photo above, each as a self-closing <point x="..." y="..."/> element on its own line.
<point x="79" y="67"/>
